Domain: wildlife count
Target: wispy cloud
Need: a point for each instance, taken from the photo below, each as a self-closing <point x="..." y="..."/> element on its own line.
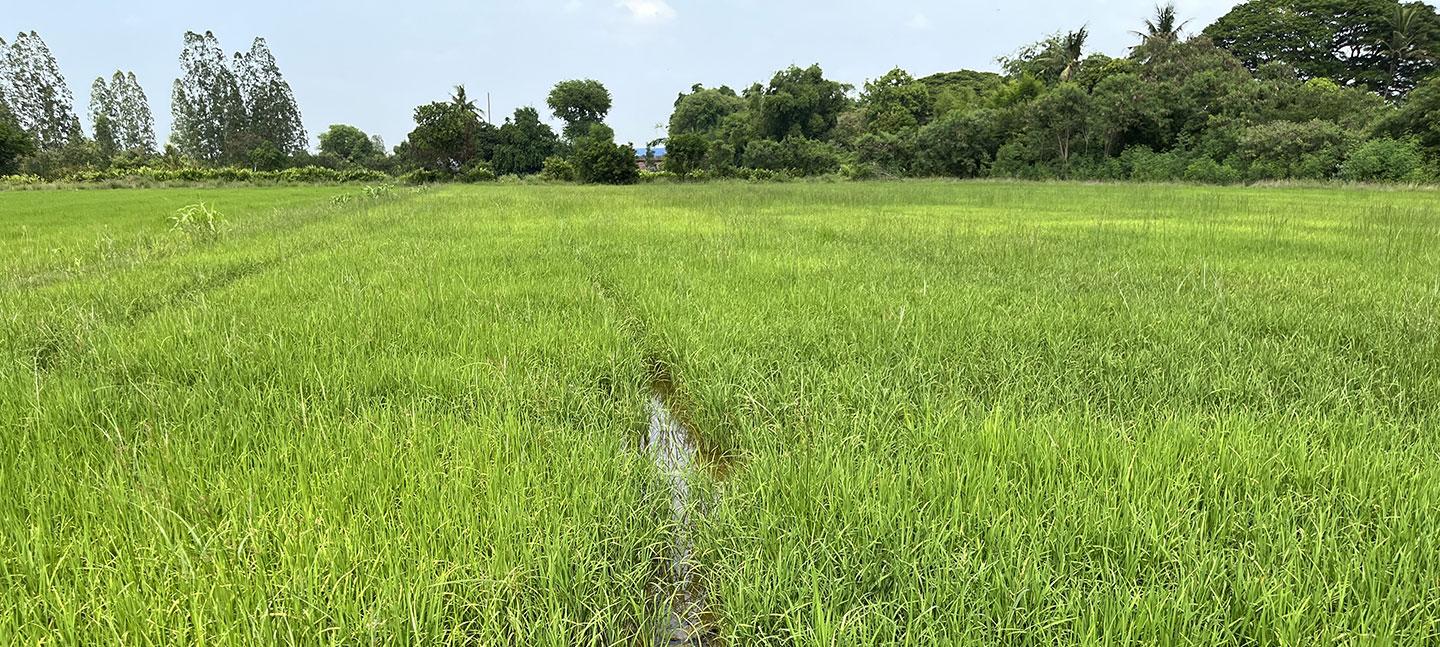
<point x="648" y="11"/>
<point x="919" y="22"/>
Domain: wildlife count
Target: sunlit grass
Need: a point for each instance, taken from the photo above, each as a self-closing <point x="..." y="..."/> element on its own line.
<point x="978" y="413"/>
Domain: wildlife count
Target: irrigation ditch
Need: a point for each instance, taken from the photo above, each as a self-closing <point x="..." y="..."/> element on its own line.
<point x="688" y="467"/>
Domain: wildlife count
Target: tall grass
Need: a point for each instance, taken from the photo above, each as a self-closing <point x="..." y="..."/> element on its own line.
<point x="949" y="413"/>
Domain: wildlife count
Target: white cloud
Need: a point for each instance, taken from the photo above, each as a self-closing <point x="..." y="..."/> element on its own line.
<point x="648" y="11"/>
<point x="919" y="22"/>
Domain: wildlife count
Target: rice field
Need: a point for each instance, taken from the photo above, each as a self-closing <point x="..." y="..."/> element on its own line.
<point x="903" y="413"/>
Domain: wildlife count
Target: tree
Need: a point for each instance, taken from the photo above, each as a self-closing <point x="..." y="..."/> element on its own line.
<point x="349" y="144"/>
<point x="599" y="160"/>
<point x="120" y="115"/>
<point x="580" y="104"/>
<point x="958" y="144"/>
<point x="703" y="110"/>
<point x="206" y="104"/>
<point x="271" y="114"/>
<point x="15" y="143"/>
<point x="896" y="102"/>
<point x="1061" y="114"/>
<point x="102" y="111"/>
<point x="1410" y="49"/>
<point x="450" y="136"/>
<point x="800" y="102"/>
<point x="524" y="143"/>
<point x="37" y="94"/>
<point x="1364" y="42"/>
<point x="1160" y="32"/>
<point x="1419" y="117"/>
<point x="137" y="124"/>
<point x="1125" y="109"/>
<point x="1072" y="52"/>
<point x="686" y="153"/>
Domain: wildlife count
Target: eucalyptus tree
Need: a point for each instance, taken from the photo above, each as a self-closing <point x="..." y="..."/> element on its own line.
<point x="120" y="115"/>
<point x="37" y="94"/>
<point x="14" y="141"/>
<point x="207" y="107"/>
<point x="137" y="123"/>
<point x="272" y="114"/>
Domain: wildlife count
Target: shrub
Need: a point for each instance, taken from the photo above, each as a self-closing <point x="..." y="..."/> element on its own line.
<point x="421" y="176"/>
<point x="478" y="172"/>
<point x="1017" y="160"/>
<point x="1286" y="149"/>
<point x="797" y="155"/>
<point x="599" y="160"/>
<point x="557" y="169"/>
<point x="1385" y="160"/>
<point x="686" y="153"/>
<point x="1144" y="165"/>
<point x="21" y="180"/>
<point x="1209" y="171"/>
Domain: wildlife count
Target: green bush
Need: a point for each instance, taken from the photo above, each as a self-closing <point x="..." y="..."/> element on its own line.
<point x="599" y="160"/>
<point x="794" y="155"/>
<point x="21" y="180"/>
<point x="298" y="175"/>
<point x="1385" y="160"/>
<point x="557" y="169"/>
<point x="1209" y="171"/>
<point x="478" y="172"/>
<point x="1281" y="150"/>
<point x="1144" y="165"/>
<point x="421" y="176"/>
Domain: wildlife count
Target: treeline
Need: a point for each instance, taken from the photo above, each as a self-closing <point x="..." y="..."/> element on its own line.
<point x="1275" y="89"/>
<point x="227" y="110"/>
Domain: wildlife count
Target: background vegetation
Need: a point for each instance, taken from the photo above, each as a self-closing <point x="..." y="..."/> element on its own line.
<point x="1273" y="90"/>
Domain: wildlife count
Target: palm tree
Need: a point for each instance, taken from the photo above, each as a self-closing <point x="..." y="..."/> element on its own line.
<point x="1403" y="43"/>
<point x="473" y="114"/>
<point x="1072" y="49"/>
<point x="1160" y="32"/>
<point x="463" y="102"/>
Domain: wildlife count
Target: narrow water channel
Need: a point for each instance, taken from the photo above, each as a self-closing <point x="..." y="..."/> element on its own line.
<point x="676" y="452"/>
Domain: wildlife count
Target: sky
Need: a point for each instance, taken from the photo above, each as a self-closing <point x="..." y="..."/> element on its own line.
<point x="369" y="63"/>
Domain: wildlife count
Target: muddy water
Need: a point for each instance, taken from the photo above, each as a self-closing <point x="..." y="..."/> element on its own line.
<point x="676" y="451"/>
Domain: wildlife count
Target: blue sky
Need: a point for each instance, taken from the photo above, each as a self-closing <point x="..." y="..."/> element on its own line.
<point x="369" y="63"/>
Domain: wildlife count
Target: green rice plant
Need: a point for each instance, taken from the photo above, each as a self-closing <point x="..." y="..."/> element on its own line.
<point x="929" y="413"/>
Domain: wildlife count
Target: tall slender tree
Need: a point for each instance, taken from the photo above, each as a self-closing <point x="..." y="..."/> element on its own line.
<point x="120" y="115"/>
<point x="136" y="120"/>
<point x="272" y="114"/>
<point x="103" y="118"/>
<point x="4" y="75"/>
<point x="208" y="111"/>
<point x="37" y="93"/>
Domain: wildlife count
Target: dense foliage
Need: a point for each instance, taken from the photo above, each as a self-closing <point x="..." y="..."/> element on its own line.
<point x="1243" y="101"/>
<point x="1273" y="90"/>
